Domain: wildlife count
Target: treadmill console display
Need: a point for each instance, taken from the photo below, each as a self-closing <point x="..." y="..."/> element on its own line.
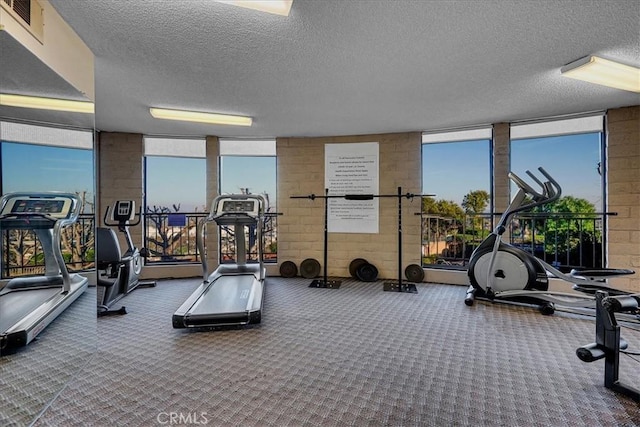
<point x="38" y="206"/>
<point x="56" y="207"/>
<point x="243" y="206"/>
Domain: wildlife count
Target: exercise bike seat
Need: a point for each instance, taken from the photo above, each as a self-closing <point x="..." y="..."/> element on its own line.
<point x="108" y="252"/>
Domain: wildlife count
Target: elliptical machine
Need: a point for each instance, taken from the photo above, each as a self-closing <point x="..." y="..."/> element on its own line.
<point x="118" y="273"/>
<point x="499" y="271"/>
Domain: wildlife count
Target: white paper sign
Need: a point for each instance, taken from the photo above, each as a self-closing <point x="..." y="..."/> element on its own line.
<point x="352" y="169"/>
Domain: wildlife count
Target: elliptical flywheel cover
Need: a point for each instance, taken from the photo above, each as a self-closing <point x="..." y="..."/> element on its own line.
<point x="414" y="273"/>
<point x="355" y="265"/>
<point x="367" y="273"/>
<point x="288" y="269"/>
<point x="309" y="268"/>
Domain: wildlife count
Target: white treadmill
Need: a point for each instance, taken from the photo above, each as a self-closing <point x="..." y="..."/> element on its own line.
<point x="233" y="293"/>
<point x="29" y="304"/>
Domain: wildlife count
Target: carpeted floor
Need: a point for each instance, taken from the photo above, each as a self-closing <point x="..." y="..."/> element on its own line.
<point x="32" y="376"/>
<point x="354" y="356"/>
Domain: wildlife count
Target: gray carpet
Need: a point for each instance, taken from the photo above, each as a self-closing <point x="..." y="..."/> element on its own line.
<point x="356" y="356"/>
<point x="32" y="376"/>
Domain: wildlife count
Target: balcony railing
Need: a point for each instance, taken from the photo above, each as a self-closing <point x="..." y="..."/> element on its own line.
<point x="565" y="240"/>
<point x="171" y="238"/>
<point x="22" y="253"/>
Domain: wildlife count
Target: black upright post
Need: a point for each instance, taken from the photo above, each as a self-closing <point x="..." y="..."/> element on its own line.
<point x="325" y="282"/>
<point x="400" y="287"/>
<point x="400" y="237"/>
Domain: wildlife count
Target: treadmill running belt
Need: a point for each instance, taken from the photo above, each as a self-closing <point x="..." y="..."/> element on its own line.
<point x="227" y="294"/>
<point x="15" y="306"/>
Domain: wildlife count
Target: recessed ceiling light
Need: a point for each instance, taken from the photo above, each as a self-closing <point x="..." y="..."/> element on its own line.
<point x="604" y="72"/>
<point x="195" y="116"/>
<point x="37" y="102"/>
<point x="277" y="7"/>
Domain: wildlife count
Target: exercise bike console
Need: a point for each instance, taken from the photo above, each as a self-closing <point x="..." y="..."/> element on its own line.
<point x="118" y="272"/>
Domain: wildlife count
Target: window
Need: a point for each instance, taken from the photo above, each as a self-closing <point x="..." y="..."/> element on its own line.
<point x="42" y="159"/>
<point x="456" y="166"/>
<point x="569" y="232"/>
<point x="249" y="167"/>
<point x="175" y="198"/>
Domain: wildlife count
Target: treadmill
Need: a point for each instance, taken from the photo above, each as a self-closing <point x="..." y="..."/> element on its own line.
<point x="29" y="304"/>
<point x="233" y="293"/>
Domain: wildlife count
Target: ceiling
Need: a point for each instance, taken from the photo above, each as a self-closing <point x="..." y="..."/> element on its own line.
<point x="23" y="73"/>
<point x="347" y="67"/>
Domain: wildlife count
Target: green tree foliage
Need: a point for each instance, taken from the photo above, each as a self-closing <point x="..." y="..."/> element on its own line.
<point x="475" y="202"/>
<point x="565" y="224"/>
<point x="443" y="208"/>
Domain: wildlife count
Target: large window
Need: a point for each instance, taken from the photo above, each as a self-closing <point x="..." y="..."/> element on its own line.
<point x="249" y="167"/>
<point x="175" y="198"/>
<point x="569" y="232"/>
<point x="43" y="159"/>
<point x="456" y="167"/>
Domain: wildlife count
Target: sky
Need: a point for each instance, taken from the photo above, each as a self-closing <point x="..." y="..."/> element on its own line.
<point x="173" y="180"/>
<point x="36" y="168"/>
<point x="450" y="170"/>
<point x="453" y="169"/>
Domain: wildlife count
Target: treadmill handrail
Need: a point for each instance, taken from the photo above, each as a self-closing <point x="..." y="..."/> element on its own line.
<point x="201" y="227"/>
<point x="71" y="218"/>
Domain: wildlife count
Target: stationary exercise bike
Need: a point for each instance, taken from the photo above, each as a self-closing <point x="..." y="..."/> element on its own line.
<point x="499" y="271"/>
<point x="118" y="273"/>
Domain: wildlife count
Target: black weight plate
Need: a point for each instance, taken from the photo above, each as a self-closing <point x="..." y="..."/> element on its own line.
<point x="309" y="268"/>
<point x="288" y="269"/>
<point x="367" y="273"/>
<point x="354" y="265"/>
<point x="414" y="273"/>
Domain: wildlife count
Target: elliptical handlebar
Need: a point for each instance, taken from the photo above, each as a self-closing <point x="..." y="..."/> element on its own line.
<point x="551" y="190"/>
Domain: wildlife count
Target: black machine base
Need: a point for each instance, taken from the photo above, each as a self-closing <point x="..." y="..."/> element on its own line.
<point x="328" y="284"/>
<point x="608" y="344"/>
<point x="400" y="287"/>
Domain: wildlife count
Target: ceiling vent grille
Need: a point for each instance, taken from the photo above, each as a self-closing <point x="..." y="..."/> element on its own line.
<point x="28" y="13"/>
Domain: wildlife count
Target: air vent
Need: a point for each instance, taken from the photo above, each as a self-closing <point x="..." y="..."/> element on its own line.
<point x="28" y="13"/>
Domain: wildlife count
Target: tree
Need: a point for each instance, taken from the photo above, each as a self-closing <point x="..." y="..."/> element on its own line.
<point x="444" y="208"/>
<point x="166" y="241"/>
<point x="475" y="202"/>
<point x="568" y="226"/>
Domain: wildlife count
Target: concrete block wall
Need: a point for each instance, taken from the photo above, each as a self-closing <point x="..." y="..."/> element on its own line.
<point x="501" y="166"/>
<point x="301" y="227"/>
<point x="623" y="193"/>
<point x="213" y="166"/>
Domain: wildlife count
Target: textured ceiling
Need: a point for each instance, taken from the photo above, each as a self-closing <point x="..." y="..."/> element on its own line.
<point x="21" y="72"/>
<point x="343" y="67"/>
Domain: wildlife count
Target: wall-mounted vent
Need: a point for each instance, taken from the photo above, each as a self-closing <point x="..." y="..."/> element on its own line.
<point x="28" y="13"/>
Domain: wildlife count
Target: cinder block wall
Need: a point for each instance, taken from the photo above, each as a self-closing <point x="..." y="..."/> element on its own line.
<point x="300" y="229"/>
<point x="501" y="166"/>
<point x="623" y="193"/>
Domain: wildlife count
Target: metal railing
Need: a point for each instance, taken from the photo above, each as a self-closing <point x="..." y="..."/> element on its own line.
<point x="565" y="240"/>
<point x="22" y="253"/>
<point x="171" y="238"/>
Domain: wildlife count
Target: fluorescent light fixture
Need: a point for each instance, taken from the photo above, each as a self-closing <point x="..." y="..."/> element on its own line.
<point x="277" y="7"/>
<point x="194" y="116"/>
<point x="23" y="101"/>
<point x="604" y="72"/>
